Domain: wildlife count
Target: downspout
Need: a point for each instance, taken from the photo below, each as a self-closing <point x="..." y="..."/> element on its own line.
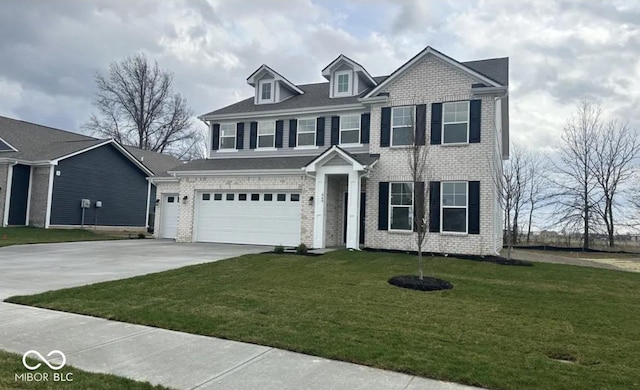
<point x="498" y="179"/>
<point x="7" y="197"/>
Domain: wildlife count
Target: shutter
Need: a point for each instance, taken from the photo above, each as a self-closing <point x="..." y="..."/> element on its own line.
<point x="474" y="207"/>
<point x="279" y="131"/>
<point x="215" y="137"/>
<point x="365" y="121"/>
<point x="418" y="208"/>
<point x="335" y="130"/>
<point x="383" y="205"/>
<point x="320" y="131"/>
<point x="434" y="207"/>
<point x="421" y="123"/>
<point x="385" y="127"/>
<point x="474" y="121"/>
<point x="253" y="135"/>
<point x="239" y="135"/>
<point x="293" y="133"/>
<point x="436" y="123"/>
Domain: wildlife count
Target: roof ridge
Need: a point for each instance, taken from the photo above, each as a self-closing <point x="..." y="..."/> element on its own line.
<point x="486" y="59"/>
<point x="49" y="127"/>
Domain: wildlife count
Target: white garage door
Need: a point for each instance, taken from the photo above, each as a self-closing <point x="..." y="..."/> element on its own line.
<point x="263" y="218"/>
<point x="169" y="211"/>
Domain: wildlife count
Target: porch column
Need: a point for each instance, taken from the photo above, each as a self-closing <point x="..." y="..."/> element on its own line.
<point x="319" y="209"/>
<point x="353" y="211"/>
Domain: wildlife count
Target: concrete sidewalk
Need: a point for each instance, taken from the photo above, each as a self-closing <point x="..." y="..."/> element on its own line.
<point x="186" y="361"/>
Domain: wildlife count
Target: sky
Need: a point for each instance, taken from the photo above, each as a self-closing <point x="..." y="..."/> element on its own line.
<point x="559" y="51"/>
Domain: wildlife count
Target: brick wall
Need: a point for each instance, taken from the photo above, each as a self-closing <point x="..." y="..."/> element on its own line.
<point x="4" y="168"/>
<point x="39" y="195"/>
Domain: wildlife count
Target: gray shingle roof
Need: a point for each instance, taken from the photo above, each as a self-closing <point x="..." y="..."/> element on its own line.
<point x="317" y="95"/>
<point x="261" y="163"/>
<point x="158" y="163"/>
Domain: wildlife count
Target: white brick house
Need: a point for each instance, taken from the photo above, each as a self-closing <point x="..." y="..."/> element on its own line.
<point x="282" y="166"/>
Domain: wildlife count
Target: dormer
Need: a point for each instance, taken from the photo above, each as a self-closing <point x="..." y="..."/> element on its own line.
<point x="347" y="77"/>
<point x="271" y="87"/>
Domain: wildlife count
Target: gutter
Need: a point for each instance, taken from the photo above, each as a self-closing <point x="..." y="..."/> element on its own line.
<point x="235" y="172"/>
<point x="304" y="110"/>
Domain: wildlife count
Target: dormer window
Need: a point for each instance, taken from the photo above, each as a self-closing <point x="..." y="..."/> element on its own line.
<point x="343" y="83"/>
<point x="266" y="91"/>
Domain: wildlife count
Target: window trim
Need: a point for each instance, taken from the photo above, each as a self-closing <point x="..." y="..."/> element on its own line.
<point x="413" y="127"/>
<point x="272" y="91"/>
<point x="390" y="207"/>
<point x="453" y="123"/>
<point x="235" y="137"/>
<point x="466" y="207"/>
<point x="315" y="129"/>
<point x="336" y="75"/>
<point x="357" y="143"/>
<point x="273" y="145"/>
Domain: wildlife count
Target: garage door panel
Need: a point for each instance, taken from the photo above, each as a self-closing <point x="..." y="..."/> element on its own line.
<point x="248" y="221"/>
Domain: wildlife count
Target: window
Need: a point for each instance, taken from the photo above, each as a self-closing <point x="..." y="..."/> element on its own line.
<point x="455" y="122"/>
<point x="295" y="197"/>
<point x="282" y="197"/>
<point x="227" y="136"/>
<point x="171" y="199"/>
<point x="206" y="196"/>
<point x="454" y="207"/>
<point x="342" y="83"/>
<point x="266" y="91"/>
<point x="230" y="196"/>
<point x="402" y="125"/>
<point x="268" y="197"/>
<point x="401" y="206"/>
<point x="266" y="134"/>
<point x="242" y="196"/>
<point x="255" y="197"/>
<point x="350" y="129"/>
<point x="306" y="132"/>
<point x="217" y="196"/>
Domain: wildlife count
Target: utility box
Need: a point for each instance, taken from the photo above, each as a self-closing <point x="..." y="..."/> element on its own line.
<point x="85" y="203"/>
<point x="98" y="204"/>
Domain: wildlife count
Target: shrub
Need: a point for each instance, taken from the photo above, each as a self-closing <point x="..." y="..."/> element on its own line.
<point x="141" y="235"/>
<point x="278" y="249"/>
<point x="301" y="249"/>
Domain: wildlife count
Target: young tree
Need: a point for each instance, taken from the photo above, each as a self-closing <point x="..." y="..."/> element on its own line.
<point x="418" y="166"/>
<point x="137" y="107"/>
<point x="513" y="185"/>
<point x="537" y="183"/>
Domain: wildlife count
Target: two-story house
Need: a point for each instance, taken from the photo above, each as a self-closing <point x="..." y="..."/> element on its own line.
<point x="326" y="164"/>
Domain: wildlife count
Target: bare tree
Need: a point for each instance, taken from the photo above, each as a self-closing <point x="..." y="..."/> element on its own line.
<point x="137" y="107"/>
<point x="611" y="165"/>
<point x="512" y="185"/>
<point x="537" y="182"/>
<point x="574" y="182"/>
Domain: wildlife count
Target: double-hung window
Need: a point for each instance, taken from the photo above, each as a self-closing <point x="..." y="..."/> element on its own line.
<point x="265" y="92"/>
<point x="455" y="122"/>
<point x="401" y="206"/>
<point x="454" y="207"/>
<point x="350" y="129"/>
<point x="306" y="132"/>
<point x="343" y="83"/>
<point x="266" y="135"/>
<point x="227" y="136"/>
<point x="402" y="125"/>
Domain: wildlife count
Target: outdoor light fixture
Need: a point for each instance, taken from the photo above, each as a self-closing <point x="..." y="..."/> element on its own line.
<point x="310" y="200"/>
<point x="184" y="199"/>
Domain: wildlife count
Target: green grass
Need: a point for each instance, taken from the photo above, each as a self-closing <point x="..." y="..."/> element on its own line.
<point x="31" y="235"/>
<point x="11" y="364"/>
<point x="497" y="328"/>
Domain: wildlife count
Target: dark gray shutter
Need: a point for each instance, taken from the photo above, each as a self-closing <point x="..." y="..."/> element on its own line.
<point x="421" y="123"/>
<point x="474" y="207"/>
<point x="320" y="131"/>
<point x="436" y="123"/>
<point x="279" y="131"/>
<point x="253" y="135"/>
<point x="215" y="137"/>
<point x="434" y="206"/>
<point x="365" y="120"/>
<point x="383" y="205"/>
<point x="418" y="209"/>
<point x="474" y="121"/>
<point x="385" y="127"/>
<point x="239" y="135"/>
<point x="335" y="130"/>
<point x="293" y="132"/>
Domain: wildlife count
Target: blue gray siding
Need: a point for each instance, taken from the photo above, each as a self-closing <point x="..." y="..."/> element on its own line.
<point x="102" y="174"/>
<point x="19" y="195"/>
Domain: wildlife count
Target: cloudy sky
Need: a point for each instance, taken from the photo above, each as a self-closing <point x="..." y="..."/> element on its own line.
<point x="559" y="51"/>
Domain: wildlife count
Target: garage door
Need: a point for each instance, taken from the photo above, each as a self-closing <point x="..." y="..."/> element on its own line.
<point x="263" y="218"/>
<point x="169" y="212"/>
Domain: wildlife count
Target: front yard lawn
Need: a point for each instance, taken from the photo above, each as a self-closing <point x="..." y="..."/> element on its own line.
<point x="500" y="327"/>
<point x="31" y="235"/>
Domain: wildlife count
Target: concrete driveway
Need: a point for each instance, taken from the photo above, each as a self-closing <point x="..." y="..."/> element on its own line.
<point x="29" y="269"/>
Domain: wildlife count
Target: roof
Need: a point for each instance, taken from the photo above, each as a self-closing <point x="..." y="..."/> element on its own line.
<point x="261" y="163"/>
<point x="158" y="163"/>
<point x="317" y="94"/>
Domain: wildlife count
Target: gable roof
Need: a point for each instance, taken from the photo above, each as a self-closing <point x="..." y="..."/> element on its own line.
<point x="326" y="72"/>
<point x="158" y="163"/>
<point x="278" y="77"/>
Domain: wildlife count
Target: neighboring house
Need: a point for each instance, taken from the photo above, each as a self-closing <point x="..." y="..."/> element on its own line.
<point x="326" y="164"/>
<point x="45" y="173"/>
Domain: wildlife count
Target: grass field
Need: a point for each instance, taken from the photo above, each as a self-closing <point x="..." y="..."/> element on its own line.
<point x="501" y="327"/>
<point x="31" y="235"/>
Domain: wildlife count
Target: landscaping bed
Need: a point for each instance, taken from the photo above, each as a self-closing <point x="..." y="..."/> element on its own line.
<point x="32" y="235"/>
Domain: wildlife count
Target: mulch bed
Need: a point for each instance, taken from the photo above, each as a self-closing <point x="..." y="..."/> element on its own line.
<point x="496" y="260"/>
<point x="413" y="282"/>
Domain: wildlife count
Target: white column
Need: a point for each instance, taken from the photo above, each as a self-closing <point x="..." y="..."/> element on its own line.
<point x="353" y="211"/>
<point x="319" y="210"/>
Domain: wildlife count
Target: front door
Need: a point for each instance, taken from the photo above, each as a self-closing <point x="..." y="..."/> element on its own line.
<point x="363" y="198"/>
<point x="169" y="212"/>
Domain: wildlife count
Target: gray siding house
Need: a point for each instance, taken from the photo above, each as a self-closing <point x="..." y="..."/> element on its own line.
<point x="326" y="164"/>
<point x="45" y="173"/>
